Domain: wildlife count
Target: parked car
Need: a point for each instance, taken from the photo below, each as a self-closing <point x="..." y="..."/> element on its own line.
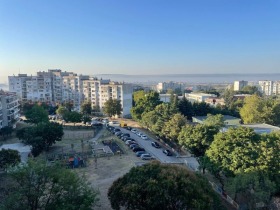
<point x="131" y="146"/>
<point x="167" y="152"/>
<point x="127" y="142"/>
<point x="132" y="142"/>
<point x="155" y="144"/>
<point x="133" y="130"/>
<point x="138" y="134"/>
<point x="138" y="154"/>
<point x="137" y="149"/>
<point x="127" y="138"/>
<point x="116" y="130"/>
<point x="144" y="137"/>
<point x="128" y="128"/>
<point x="146" y="157"/>
<point x="118" y="134"/>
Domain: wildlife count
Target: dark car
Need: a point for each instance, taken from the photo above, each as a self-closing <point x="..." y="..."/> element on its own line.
<point x="118" y="134"/>
<point x="137" y="149"/>
<point x="167" y="152"/>
<point x="132" y="146"/>
<point x="116" y="130"/>
<point x="155" y="144"/>
<point x="128" y="128"/>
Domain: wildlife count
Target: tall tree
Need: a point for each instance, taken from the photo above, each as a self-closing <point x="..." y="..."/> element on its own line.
<point x="255" y="187"/>
<point x="37" y="114"/>
<point x="86" y="108"/>
<point x="158" y="186"/>
<point x="40" y="186"/>
<point x="186" y="108"/>
<point x="235" y="150"/>
<point x="197" y="139"/>
<point x="62" y="110"/>
<point x="173" y="127"/>
<point x="9" y="157"/>
<point x="214" y="120"/>
<point x="112" y="107"/>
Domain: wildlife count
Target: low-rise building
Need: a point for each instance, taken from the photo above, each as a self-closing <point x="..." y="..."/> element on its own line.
<point x="262" y="127"/>
<point x="199" y="97"/>
<point x="229" y="120"/>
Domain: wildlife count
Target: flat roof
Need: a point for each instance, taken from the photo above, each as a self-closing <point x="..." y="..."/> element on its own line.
<point x="226" y="117"/>
<point x="262" y="127"/>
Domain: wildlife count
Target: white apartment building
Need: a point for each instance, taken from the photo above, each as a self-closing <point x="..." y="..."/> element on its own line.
<point x="164" y="86"/>
<point x="99" y="91"/>
<point x="9" y="108"/>
<point x="269" y="87"/>
<point x="1" y="113"/>
<point x="55" y="87"/>
<point x="238" y="85"/>
<point x="199" y="97"/>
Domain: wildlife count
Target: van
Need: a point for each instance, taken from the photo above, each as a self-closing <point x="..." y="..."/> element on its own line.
<point x="123" y="124"/>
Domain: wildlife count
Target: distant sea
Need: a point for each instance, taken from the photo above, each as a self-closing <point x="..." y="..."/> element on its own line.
<point x="189" y="78"/>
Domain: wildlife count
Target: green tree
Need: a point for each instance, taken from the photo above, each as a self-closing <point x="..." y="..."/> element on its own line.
<point x="235" y="150"/>
<point x="37" y="114"/>
<point x="197" y="138"/>
<point x="201" y="109"/>
<point x="62" y="110"/>
<point x="112" y="107"/>
<point x="250" y="90"/>
<point x="260" y="110"/>
<point x="186" y="108"/>
<point x="50" y="132"/>
<point x="69" y="106"/>
<point x="255" y="187"/>
<point x="159" y="186"/>
<point x="173" y="127"/>
<point x="38" y="186"/>
<point x="6" y="131"/>
<point x="145" y="103"/>
<point x="74" y="117"/>
<point x="42" y="136"/>
<point x="86" y="108"/>
<point x="9" y="157"/>
<point x="214" y="120"/>
<point x="137" y="96"/>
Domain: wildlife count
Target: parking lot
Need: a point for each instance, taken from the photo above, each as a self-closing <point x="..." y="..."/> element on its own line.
<point x="157" y="153"/>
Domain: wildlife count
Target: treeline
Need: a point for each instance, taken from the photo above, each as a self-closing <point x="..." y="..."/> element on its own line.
<point x="245" y="163"/>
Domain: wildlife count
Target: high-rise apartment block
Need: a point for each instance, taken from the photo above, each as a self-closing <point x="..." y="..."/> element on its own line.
<point x="56" y="87"/>
<point x="9" y="109"/>
<point x="269" y="88"/>
<point x="239" y="85"/>
<point x="164" y="86"/>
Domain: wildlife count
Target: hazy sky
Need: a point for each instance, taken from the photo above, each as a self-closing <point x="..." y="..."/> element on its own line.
<point x="140" y="36"/>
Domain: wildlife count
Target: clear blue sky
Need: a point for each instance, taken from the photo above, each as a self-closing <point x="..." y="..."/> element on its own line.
<point x="140" y="36"/>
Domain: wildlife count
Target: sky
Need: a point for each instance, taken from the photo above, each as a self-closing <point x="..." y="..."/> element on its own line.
<point x="139" y="36"/>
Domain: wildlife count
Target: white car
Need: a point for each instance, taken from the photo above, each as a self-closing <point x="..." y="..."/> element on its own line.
<point x="144" y="137"/>
<point x="146" y="157"/>
<point x="139" y="134"/>
<point x="133" y="130"/>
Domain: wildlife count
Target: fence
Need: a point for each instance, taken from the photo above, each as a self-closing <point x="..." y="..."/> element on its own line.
<point x="224" y="195"/>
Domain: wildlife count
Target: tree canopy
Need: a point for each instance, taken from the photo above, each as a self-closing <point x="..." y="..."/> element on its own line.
<point x="9" y="157"/>
<point x="112" y="107"/>
<point x="41" y="136"/>
<point x="38" y="186"/>
<point x="86" y="108"/>
<point x="158" y="186"/>
<point x="197" y="138"/>
<point x="260" y="110"/>
<point x="37" y="114"/>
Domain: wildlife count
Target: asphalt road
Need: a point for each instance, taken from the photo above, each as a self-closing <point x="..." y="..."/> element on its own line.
<point x="156" y="152"/>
